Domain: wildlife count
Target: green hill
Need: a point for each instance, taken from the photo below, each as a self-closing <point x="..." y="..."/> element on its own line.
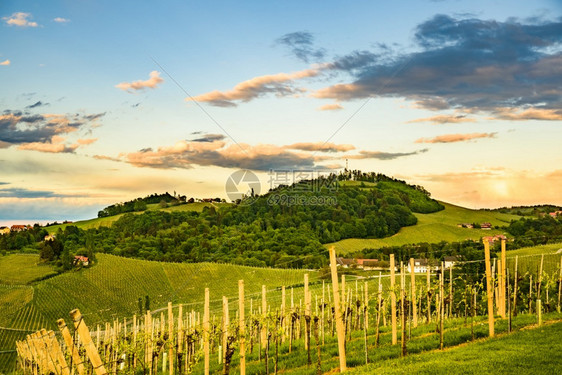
<point x="433" y="228"/>
<point x="111" y="289"/>
<point x="109" y="220"/>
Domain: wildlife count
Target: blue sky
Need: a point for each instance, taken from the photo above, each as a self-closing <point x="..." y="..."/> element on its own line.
<point x="461" y="97"/>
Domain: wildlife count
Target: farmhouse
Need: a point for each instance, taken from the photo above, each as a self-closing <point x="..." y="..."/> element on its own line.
<point x="487" y="226"/>
<point x="4" y="230"/>
<point x="346" y="262"/>
<point x="555" y="214"/>
<point x="81" y="260"/>
<point x="450" y="261"/>
<point x="49" y="237"/>
<point x="492" y="239"/>
<point x="19" y="228"/>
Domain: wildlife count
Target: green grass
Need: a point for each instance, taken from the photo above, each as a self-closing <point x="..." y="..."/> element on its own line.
<point x="108" y="221"/>
<point x="536" y="250"/>
<point x="17" y="269"/>
<point x="432" y="228"/>
<point x="533" y="351"/>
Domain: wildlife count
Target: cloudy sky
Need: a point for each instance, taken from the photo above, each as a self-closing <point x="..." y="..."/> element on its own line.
<point x="104" y="101"/>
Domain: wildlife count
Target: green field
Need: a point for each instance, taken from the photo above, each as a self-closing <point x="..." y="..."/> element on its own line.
<point x="432" y="228"/>
<point x="111" y="288"/>
<point x="532" y="351"/>
<point x="19" y="269"/>
<point x="107" y="221"/>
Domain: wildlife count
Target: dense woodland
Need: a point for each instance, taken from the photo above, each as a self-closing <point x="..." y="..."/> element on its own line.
<point x="259" y="233"/>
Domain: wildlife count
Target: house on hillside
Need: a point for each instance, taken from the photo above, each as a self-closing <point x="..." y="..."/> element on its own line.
<point x="555" y="214"/>
<point x="450" y="261"/>
<point x="492" y="239"/>
<point x="422" y="265"/>
<point x="4" y="230"/>
<point x="486" y="226"/>
<point x="49" y="237"/>
<point x="465" y="225"/>
<point x="346" y="262"/>
<point x="80" y="260"/>
<point x="19" y="228"/>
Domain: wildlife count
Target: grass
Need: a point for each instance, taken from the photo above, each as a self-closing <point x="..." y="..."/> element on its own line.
<point x="18" y="269"/>
<point x="531" y="351"/>
<point x="432" y="228"/>
<point x="108" y="221"/>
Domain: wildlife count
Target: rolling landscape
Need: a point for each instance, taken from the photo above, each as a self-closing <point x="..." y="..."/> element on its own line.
<point x="280" y="187"/>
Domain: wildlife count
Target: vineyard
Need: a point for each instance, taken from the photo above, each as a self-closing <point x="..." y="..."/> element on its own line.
<point x="311" y="327"/>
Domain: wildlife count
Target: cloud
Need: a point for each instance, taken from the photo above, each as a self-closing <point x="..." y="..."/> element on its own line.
<point x="26" y="193"/>
<point x="464" y="63"/>
<point x="384" y="155"/>
<point x="444" y="119"/>
<point x="20" y="19"/>
<point x="451" y="138"/>
<point x="301" y="44"/>
<point x="36" y="104"/>
<point x="5" y="62"/>
<point x="319" y="146"/>
<point x="87" y="141"/>
<point x="330" y="107"/>
<point x="151" y="83"/>
<point x="515" y="114"/>
<point x="61" y="20"/>
<point x="279" y="84"/>
<point x="105" y="157"/>
<point x="42" y="132"/>
<point x="209" y="138"/>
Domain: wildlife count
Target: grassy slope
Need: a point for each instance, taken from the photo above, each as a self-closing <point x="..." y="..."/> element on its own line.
<point x="18" y="269"/>
<point x="107" y="221"/>
<point x="432" y="228"/>
<point x="534" y="351"/>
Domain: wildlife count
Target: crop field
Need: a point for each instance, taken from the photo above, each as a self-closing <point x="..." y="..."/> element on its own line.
<point x="18" y="269"/>
<point x="433" y="228"/>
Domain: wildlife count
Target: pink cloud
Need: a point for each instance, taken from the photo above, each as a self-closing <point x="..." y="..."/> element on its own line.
<point x="330" y="107"/>
<point x="151" y="83"/>
<point x="451" y="138"/>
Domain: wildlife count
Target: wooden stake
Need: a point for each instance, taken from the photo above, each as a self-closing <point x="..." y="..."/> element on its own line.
<point x="86" y="339"/>
<point x="413" y="292"/>
<point x="441" y="304"/>
<point x="70" y="347"/>
<point x="206" y="333"/>
<point x="170" y="338"/>
<point x="264" y="313"/>
<point x="242" y="327"/>
<point x="503" y="279"/>
<point x="559" y="286"/>
<point x="515" y="287"/>
<point x="489" y="288"/>
<point x="428" y="292"/>
<point x="393" y="300"/>
<point x="338" y="317"/>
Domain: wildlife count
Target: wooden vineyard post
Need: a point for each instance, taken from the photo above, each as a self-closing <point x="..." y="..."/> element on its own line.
<point x="283" y="314"/>
<point x="508" y="298"/>
<point x="450" y="313"/>
<point x="264" y="313"/>
<point x="337" y="313"/>
<point x="441" y="304"/>
<point x="225" y="323"/>
<point x="379" y="312"/>
<point x="72" y="350"/>
<point x="428" y="292"/>
<point x="86" y="339"/>
<point x="242" y="327"/>
<point x="307" y="313"/>
<point x="489" y="288"/>
<point x="57" y="352"/>
<point x="515" y="288"/>
<point x="179" y="341"/>
<point x="559" y="286"/>
<point x="403" y="312"/>
<point x="393" y="300"/>
<point x="503" y="279"/>
<point x="366" y="320"/>
<point x="413" y="292"/>
<point x="539" y="301"/>
<point x="170" y="338"/>
<point x="206" y="333"/>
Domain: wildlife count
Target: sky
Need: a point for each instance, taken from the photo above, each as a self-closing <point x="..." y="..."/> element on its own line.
<point x="106" y="101"/>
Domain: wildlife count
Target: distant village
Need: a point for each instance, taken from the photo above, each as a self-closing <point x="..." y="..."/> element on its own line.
<point x="420" y="265"/>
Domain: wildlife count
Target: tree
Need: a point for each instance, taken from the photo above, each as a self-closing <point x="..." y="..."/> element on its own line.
<point x="146" y="303"/>
<point x="140" y="205"/>
<point x="46" y="252"/>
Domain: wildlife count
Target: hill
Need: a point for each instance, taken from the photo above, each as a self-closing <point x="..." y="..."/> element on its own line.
<point x="109" y="220"/>
<point x="433" y="228"/>
<point x="111" y="289"/>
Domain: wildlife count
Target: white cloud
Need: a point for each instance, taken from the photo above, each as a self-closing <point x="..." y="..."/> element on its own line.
<point x="5" y="62"/>
<point x="61" y="20"/>
<point x="20" y="19"/>
<point x="152" y="82"/>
